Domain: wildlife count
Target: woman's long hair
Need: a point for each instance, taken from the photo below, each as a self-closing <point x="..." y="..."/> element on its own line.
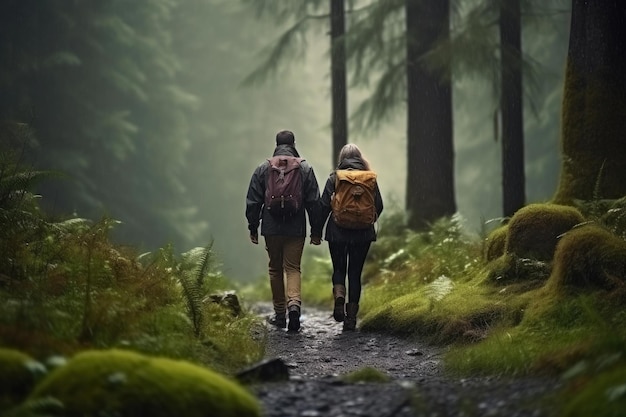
<point x="352" y="151"/>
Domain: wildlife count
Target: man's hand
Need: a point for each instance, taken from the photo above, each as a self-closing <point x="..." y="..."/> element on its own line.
<point x="316" y="240"/>
<point x="254" y="238"/>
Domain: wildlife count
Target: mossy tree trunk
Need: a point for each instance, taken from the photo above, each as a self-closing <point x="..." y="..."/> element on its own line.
<point x="430" y="181"/>
<point x="594" y="104"/>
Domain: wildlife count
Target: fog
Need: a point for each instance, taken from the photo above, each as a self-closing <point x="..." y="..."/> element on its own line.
<point x="143" y="107"/>
<point x="302" y="104"/>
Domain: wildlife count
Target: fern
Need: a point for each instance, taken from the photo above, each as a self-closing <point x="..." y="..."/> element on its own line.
<point x="439" y="288"/>
<point x="203" y="265"/>
<point x="193" y="271"/>
<point x="192" y="297"/>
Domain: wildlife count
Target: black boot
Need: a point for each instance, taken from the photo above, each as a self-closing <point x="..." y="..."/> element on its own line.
<point x="350" y="321"/>
<point x="279" y="320"/>
<point x="294" y="318"/>
<point x="339" y="294"/>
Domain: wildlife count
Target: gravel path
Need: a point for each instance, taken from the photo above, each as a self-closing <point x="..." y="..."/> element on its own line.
<point x="320" y="353"/>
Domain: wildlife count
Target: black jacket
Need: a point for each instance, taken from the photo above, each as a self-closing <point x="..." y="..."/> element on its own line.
<point x="294" y="226"/>
<point x="335" y="233"/>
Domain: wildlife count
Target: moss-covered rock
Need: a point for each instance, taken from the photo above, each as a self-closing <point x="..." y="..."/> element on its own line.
<point x="18" y="375"/>
<point x="124" y="383"/>
<point x="534" y="230"/>
<point x="495" y="243"/>
<point x="589" y="256"/>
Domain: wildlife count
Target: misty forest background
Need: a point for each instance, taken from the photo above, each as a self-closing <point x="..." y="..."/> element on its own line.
<point x="142" y="107"/>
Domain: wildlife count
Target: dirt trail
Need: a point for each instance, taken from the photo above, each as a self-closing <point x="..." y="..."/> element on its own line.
<point x="320" y="353"/>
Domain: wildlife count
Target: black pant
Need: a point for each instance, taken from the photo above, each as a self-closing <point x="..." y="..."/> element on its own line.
<point x="349" y="257"/>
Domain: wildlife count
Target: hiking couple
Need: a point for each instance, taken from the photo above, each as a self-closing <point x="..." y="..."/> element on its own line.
<point x="281" y="190"/>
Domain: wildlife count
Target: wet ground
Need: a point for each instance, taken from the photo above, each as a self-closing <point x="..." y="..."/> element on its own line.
<point x="320" y="354"/>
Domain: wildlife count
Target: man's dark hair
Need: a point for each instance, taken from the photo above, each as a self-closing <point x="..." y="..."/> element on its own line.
<point x="285" y="137"/>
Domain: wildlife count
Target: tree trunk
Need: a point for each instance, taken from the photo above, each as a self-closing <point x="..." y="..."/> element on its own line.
<point x="338" y="77"/>
<point x="513" y="177"/>
<point x="594" y="104"/>
<point x="430" y="181"/>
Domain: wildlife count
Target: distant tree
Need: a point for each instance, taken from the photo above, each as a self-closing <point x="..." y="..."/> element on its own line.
<point x="594" y="104"/>
<point x="392" y="45"/>
<point x="339" y="113"/>
<point x="378" y="48"/>
<point x="98" y="82"/>
<point x="306" y="15"/>
<point x="511" y="107"/>
<point x="430" y="180"/>
<point x="487" y="43"/>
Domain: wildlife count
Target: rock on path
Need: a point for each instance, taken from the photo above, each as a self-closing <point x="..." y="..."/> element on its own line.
<point x="320" y="353"/>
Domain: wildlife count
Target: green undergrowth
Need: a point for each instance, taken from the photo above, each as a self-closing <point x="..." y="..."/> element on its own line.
<point x="499" y="312"/>
<point x="66" y="287"/>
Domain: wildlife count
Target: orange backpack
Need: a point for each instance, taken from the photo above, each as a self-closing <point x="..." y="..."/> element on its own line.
<point x="352" y="203"/>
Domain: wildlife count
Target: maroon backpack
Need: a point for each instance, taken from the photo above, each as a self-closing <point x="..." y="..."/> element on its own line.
<point x="283" y="191"/>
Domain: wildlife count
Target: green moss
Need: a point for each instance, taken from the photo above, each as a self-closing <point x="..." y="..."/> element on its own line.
<point x="589" y="256"/>
<point x="130" y="384"/>
<point x="534" y="229"/>
<point x="495" y="243"/>
<point x="604" y="395"/>
<point x="440" y="313"/>
<point x="18" y="375"/>
<point x="366" y="374"/>
<point x="517" y="274"/>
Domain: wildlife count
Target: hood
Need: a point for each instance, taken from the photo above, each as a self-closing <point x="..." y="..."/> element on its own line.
<point x="354" y="163"/>
<point x="288" y="150"/>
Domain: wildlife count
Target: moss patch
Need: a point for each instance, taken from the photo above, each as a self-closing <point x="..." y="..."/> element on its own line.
<point x="461" y="312"/>
<point x="606" y="396"/>
<point x="534" y="229"/>
<point x="590" y="257"/>
<point x="118" y="382"/>
<point x="366" y="374"/>
<point x="18" y="376"/>
<point x="495" y="243"/>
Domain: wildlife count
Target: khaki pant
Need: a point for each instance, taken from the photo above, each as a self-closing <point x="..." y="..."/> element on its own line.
<point x="285" y="254"/>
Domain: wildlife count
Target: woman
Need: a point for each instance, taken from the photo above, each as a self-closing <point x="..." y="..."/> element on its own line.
<point x="348" y="247"/>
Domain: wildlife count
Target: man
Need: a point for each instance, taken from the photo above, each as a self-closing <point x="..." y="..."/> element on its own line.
<point x="283" y="222"/>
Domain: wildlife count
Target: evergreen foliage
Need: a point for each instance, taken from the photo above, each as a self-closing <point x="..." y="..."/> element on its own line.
<point x="66" y="287"/>
<point x="99" y="84"/>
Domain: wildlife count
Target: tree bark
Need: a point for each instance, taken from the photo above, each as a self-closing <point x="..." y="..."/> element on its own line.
<point x="594" y="104"/>
<point x="430" y="180"/>
<point x="339" y="107"/>
<point x="513" y="177"/>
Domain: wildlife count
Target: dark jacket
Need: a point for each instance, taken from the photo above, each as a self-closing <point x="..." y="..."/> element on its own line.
<point x="335" y="233"/>
<point x="255" y="199"/>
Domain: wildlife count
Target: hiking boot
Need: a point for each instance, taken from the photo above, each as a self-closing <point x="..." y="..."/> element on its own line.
<point x="294" y="318"/>
<point x="278" y="320"/>
<point x="349" y="323"/>
<point x="339" y="294"/>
